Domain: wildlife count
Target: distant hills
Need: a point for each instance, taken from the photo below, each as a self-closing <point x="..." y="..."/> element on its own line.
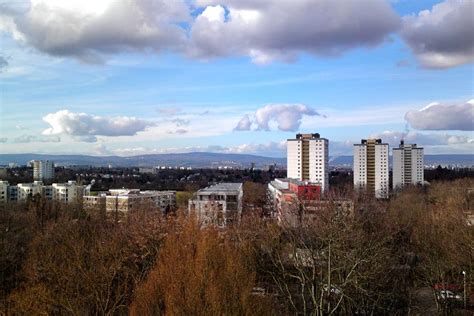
<point x="201" y="160"/>
<point x="194" y="159"/>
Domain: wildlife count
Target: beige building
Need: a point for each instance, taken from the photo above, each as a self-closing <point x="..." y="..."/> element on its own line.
<point x="307" y="159"/>
<point x="219" y="205"/>
<point x="69" y="192"/>
<point x="371" y="167"/>
<point x="123" y="201"/>
<point x="94" y="203"/>
<point x="26" y="190"/>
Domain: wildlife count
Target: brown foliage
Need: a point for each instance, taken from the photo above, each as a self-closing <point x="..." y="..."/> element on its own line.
<point x="199" y="272"/>
<point x="86" y="267"/>
<point x="57" y="259"/>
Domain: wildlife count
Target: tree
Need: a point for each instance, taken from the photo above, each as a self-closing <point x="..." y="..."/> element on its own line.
<point x="199" y="272"/>
<point x="86" y="267"/>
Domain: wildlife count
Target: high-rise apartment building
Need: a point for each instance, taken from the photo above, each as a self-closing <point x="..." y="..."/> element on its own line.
<point x="407" y="165"/>
<point x="307" y="159"/>
<point x="371" y="167"/>
<point x="43" y="170"/>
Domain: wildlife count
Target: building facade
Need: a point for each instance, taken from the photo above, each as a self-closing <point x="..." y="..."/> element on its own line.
<point x="43" y="170"/>
<point x="408" y="165"/>
<point x="62" y="192"/>
<point x="297" y="203"/>
<point x="371" y="167"/>
<point x="123" y="201"/>
<point x="26" y="190"/>
<point x="69" y="192"/>
<point x="4" y="185"/>
<point x="307" y="159"/>
<point x="219" y="205"/>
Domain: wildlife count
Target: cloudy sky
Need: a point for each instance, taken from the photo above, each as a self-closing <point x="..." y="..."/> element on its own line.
<point x="126" y="77"/>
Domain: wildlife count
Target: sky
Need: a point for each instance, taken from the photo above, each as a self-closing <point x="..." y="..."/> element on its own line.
<point x="130" y="77"/>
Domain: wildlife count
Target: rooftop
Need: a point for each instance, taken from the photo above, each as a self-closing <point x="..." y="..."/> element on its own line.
<point x="222" y="187"/>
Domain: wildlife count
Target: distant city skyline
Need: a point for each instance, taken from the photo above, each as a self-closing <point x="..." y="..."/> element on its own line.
<point x="142" y="77"/>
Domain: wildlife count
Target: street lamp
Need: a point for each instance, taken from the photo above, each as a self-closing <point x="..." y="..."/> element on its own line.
<point x="465" y="294"/>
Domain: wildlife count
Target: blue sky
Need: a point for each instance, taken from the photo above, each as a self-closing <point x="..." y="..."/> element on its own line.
<point x="100" y="95"/>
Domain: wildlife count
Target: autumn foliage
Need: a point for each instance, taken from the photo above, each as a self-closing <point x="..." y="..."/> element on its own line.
<point x="199" y="272"/>
<point x="57" y="259"/>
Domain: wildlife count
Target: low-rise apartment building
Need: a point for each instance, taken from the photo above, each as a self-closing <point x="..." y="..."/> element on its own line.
<point x="219" y="205"/>
<point x="123" y="201"/>
<point x="4" y="191"/>
<point x="292" y="202"/>
<point x="69" y="192"/>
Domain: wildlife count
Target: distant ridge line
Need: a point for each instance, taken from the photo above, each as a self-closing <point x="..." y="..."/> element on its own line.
<point x="200" y="159"/>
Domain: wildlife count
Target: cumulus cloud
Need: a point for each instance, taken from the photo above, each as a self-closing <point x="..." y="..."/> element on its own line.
<point x="36" y="139"/>
<point x="244" y="124"/>
<point x="279" y="30"/>
<point x="264" y="30"/>
<point x="442" y="37"/>
<point x="438" y="116"/>
<point x="270" y="149"/>
<point x="86" y="127"/>
<point x="88" y="30"/>
<point x="287" y="117"/>
<point x="393" y="138"/>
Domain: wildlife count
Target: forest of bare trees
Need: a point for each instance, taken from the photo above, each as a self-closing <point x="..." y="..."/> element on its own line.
<point x="387" y="257"/>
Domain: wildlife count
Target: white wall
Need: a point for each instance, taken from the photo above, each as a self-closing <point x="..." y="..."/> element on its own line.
<point x="398" y="169"/>
<point x="381" y="171"/>
<point x="360" y="166"/>
<point x="318" y="162"/>
<point x="293" y="162"/>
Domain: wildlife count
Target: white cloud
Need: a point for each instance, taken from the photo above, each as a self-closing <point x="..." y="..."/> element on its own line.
<point x="264" y="30"/>
<point x="267" y="149"/>
<point x="86" y="127"/>
<point x="279" y="30"/>
<point x="180" y="122"/>
<point x="287" y="117"/>
<point x="88" y="30"/>
<point x="442" y="37"/>
<point x="36" y="139"/>
<point x="244" y="124"/>
<point x="393" y="138"/>
<point x="101" y="150"/>
<point x="438" y="116"/>
<point x="179" y="131"/>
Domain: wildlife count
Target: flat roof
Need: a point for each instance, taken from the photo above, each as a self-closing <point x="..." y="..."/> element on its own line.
<point x="222" y="187"/>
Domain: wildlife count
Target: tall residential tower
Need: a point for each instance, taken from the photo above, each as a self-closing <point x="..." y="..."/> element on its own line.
<point x="407" y="165"/>
<point x="371" y="167"/>
<point x="43" y="170"/>
<point x="307" y="159"/>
